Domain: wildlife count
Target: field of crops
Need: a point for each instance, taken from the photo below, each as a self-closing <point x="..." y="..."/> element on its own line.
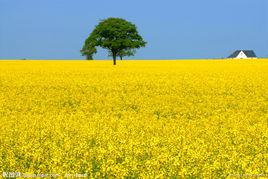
<point x="202" y="118"/>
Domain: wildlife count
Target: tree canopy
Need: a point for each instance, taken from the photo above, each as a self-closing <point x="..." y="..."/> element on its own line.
<point x="116" y="35"/>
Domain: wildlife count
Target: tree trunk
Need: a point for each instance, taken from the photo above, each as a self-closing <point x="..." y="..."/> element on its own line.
<point x="89" y="57"/>
<point x="114" y="57"/>
<point x="121" y="57"/>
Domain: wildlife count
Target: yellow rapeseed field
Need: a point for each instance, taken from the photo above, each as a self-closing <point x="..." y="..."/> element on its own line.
<point x="145" y="119"/>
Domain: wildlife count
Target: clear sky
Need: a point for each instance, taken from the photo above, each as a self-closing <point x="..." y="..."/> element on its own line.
<point x="56" y="29"/>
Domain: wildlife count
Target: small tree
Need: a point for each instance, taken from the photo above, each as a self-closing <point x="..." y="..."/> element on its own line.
<point x="88" y="50"/>
<point x="116" y="35"/>
<point x="124" y="53"/>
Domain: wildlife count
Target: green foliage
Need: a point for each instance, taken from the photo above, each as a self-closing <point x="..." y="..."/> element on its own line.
<point x="88" y="50"/>
<point x="124" y="53"/>
<point x="116" y="35"/>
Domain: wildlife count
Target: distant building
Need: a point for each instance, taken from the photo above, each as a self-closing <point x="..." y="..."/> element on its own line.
<point x="243" y="54"/>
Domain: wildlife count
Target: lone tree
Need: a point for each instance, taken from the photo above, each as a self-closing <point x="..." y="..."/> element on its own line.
<point x="116" y="35"/>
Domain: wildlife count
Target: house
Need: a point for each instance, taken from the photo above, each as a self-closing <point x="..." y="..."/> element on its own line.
<point x="243" y="54"/>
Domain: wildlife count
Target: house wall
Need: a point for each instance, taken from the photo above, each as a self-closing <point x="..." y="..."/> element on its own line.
<point x="241" y="55"/>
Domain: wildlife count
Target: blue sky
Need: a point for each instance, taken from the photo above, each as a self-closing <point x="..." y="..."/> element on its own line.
<point x="56" y="29"/>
